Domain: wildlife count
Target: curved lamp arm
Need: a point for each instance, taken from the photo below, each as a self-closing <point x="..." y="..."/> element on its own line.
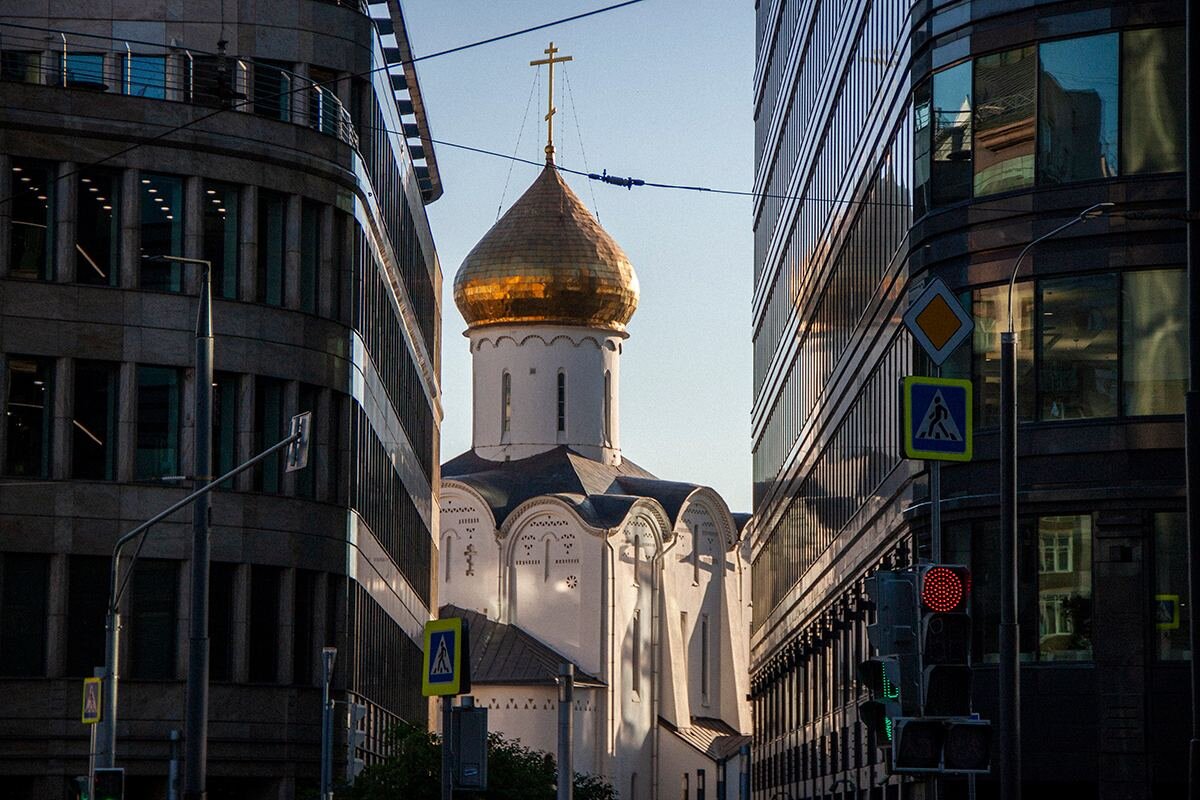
<point x="1087" y="213"/>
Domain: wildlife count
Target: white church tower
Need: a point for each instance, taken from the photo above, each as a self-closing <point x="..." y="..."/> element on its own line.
<point x="557" y="549"/>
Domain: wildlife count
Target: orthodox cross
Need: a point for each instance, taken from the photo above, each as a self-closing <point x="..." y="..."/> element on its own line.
<point x="550" y="109"/>
<point x="470" y="554"/>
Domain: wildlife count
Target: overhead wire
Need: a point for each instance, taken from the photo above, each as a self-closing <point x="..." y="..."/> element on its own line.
<point x="288" y="92"/>
<point x="537" y="75"/>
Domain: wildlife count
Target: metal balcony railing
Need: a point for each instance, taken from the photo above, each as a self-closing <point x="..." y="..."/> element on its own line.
<point x="175" y="74"/>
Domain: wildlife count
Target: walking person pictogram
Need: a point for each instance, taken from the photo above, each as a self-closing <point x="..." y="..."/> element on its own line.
<point x="938" y="424"/>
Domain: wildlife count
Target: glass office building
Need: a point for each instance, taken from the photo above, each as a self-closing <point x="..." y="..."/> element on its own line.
<point x="896" y="142"/>
<point x="298" y="163"/>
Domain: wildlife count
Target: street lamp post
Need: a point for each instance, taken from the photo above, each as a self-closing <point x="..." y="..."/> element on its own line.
<point x="1010" y="688"/>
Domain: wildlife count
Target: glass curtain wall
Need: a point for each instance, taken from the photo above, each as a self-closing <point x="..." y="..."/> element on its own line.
<point x="1172" y="612"/>
<point x="1154" y="341"/>
<point x="1077" y="357"/>
<point x="269" y="425"/>
<point x="951" y="135"/>
<point x="159" y="397"/>
<point x="1005" y="94"/>
<point x="144" y="76"/>
<point x="24" y="589"/>
<point x="310" y="254"/>
<point x="272" y="244"/>
<point x="1153" y="100"/>
<point x="94" y="424"/>
<point x="154" y="606"/>
<point x="29" y="417"/>
<point x="1077" y="109"/>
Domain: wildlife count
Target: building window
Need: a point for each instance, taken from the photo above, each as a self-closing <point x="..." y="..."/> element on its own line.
<point x="1005" y="84"/>
<point x="990" y="310"/>
<point x="306" y="479"/>
<point x="94" y="424"/>
<point x="505" y="403"/>
<point x="162" y="231"/>
<point x="264" y="623"/>
<point x="1153" y="100"/>
<point x="158" y="419"/>
<point x="636" y="656"/>
<point x="303" y="643"/>
<point x="562" y="402"/>
<point x="97" y="230"/>
<point x="268" y="423"/>
<point x="144" y="76"/>
<point x="28" y="416"/>
<point x="21" y="65"/>
<point x="607" y="407"/>
<point x="1077" y="109"/>
<point x="950" y="148"/>
<point x="221" y="236"/>
<point x="1154" y="341"/>
<point x="224" y="425"/>
<point x="684" y="788"/>
<point x="272" y="91"/>
<point x="87" y="601"/>
<point x="705" y="657"/>
<point x="80" y="71"/>
<point x="154" y="601"/>
<point x="1077" y="369"/>
<point x="221" y="631"/>
<point x="24" y="588"/>
<point x="1065" y="590"/>
<point x="31" y="253"/>
<point x="272" y="243"/>
<point x="310" y="254"/>
<point x="1172" y="612"/>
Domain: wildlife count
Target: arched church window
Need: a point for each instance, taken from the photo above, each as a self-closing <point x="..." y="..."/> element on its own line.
<point x="546" y="560"/>
<point x="637" y="559"/>
<point x="505" y="403"/>
<point x="449" y="551"/>
<point x="696" y="556"/>
<point x="562" y="401"/>
<point x="607" y="407"/>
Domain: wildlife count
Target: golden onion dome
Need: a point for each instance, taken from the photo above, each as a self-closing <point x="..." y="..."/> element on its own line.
<point x="547" y="261"/>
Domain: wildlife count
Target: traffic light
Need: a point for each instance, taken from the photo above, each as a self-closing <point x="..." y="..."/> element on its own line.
<point x="356" y="737"/>
<point x="81" y="788"/>
<point x="894" y="632"/>
<point x="967" y="746"/>
<point x="109" y="783"/>
<point x="945" y="635"/>
<point x="880" y="677"/>
<point x="917" y="746"/>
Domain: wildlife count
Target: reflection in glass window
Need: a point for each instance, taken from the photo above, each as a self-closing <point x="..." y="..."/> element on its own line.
<point x="162" y="231"/>
<point x="951" y="143"/>
<point x="32" y="251"/>
<point x="1077" y="375"/>
<point x="1154" y="341"/>
<point x="28" y="416"/>
<point x="154" y="609"/>
<point x="221" y="235"/>
<point x="144" y="76"/>
<point x="271" y="94"/>
<point x="94" y="421"/>
<point x="1005" y="89"/>
<point x="1065" y="589"/>
<point x="272" y="242"/>
<point x="990" y="310"/>
<point x="1153" y="100"/>
<point x="24" y="589"/>
<point x="158" y="407"/>
<point x="81" y="71"/>
<point x="310" y="254"/>
<point x="306" y="484"/>
<point x="97" y="232"/>
<point x="921" y="133"/>
<point x="1077" y="109"/>
<point x="1170" y="596"/>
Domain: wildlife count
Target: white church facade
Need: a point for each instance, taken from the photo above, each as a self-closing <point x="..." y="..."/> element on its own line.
<point x="556" y="548"/>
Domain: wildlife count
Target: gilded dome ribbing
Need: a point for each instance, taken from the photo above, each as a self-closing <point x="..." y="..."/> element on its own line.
<point x="547" y="261"/>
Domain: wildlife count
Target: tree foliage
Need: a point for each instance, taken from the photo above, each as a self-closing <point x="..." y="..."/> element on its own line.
<point x="515" y="772"/>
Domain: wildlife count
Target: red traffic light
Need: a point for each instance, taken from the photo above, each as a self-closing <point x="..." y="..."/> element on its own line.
<point x="945" y="589"/>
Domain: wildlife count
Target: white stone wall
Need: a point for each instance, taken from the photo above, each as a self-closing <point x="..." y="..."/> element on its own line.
<point x="533" y="356"/>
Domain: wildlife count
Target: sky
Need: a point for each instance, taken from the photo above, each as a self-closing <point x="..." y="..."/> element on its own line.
<point x="660" y="90"/>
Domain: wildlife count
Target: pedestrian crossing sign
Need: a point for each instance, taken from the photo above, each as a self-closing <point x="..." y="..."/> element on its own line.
<point x="937" y="419"/>
<point x="446" y="662"/>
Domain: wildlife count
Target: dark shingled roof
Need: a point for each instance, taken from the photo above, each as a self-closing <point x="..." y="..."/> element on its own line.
<point x="601" y="493"/>
<point x="505" y="654"/>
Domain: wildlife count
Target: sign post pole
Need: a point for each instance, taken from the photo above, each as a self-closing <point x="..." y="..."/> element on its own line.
<point x="447" y="758"/>
<point x="446" y="672"/>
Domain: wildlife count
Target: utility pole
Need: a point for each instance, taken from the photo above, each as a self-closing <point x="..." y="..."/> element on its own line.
<point x="328" y="657"/>
<point x="1192" y="404"/>
<point x="566" y="702"/>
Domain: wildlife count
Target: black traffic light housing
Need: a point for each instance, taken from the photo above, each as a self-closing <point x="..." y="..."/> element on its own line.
<point x="109" y="784"/>
<point x="881" y="678"/>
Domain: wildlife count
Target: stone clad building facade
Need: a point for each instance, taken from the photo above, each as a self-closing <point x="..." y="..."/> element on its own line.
<point x="286" y="143"/>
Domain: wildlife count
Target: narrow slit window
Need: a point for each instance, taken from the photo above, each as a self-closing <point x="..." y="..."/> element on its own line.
<point x="562" y="402"/>
<point x="505" y="403"/>
<point x="607" y="407"/>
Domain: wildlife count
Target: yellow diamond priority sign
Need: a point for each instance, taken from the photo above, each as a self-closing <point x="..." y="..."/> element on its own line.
<point x="938" y="322"/>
